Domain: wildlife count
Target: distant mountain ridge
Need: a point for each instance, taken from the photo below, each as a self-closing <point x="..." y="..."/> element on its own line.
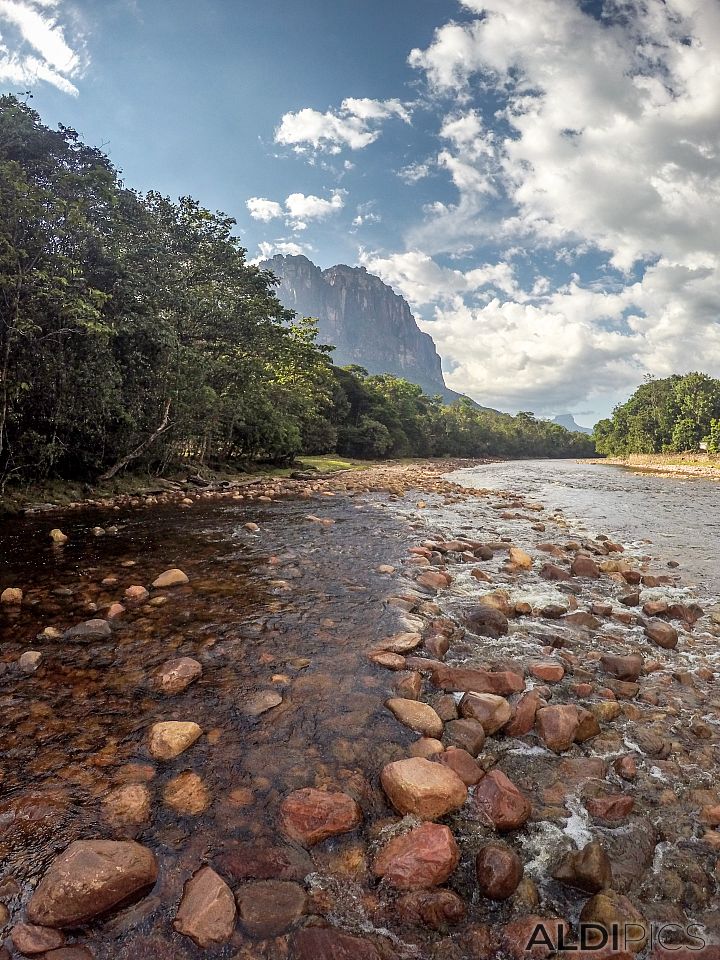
<point x="567" y="420"/>
<point x="363" y="318"/>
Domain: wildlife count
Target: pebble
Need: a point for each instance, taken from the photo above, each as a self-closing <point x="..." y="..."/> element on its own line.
<point x="170" y="738"/>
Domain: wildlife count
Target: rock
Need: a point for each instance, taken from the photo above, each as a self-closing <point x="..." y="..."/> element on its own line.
<point x="656" y="608"/>
<point x="662" y="634"/>
<point x="588" y="869"/>
<point x="408" y="685"/>
<point x="499" y="870"/>
<point x="584" y="566"/>
<point x="549" y="671"/>
<point x="459" y="760"/>
<point x="252" y="527"/>
<point x="613" y="911"/>
<point x="467" y="734"/>
<point x="310" y="816"/>
<point x="187" y="794"/>
<point x="127" y="805"/>
<point x="624" y="668"/>
<point x="11" y="596"/>
<point x="88" y="631"/>
<point x="69" y="953"/>
<point x="499" y="803"/>
<point x="327" y="943"/>
<point x="269" y="908"/>
<point x="523" y="718"/>
<point x="170" y="578"/>
<point x="30" y="661"/>
<point x="176" y="675"/>
<point x="261" y="702"/>
<point x="626" y="767"/>
<point x="170" y="738"/>
<point x="557" y="726"/>
<point x="610" y="809"/>
<point x="29" y="939"/>
<point x="466" y="679"/>
<point x="588" y="726"/>
<point x="136" y="593"/>
<point x="114" y="611"/>
<point x="434" y="580"/>
<point x="391" y="661"/>
<point x="487" y="621"/>
<point x="582" y="619"/>
<point x="492" y="711"/>
<point x="88" y="880"/>
<point x="256" y="860"/>
<point x="425" y="747"/>
<point x="424" y="857"/>
<point x="207" y="910"/>
<point x="437" y="646"/>
<point x="421" y="787"/>
<point x="630" y="599"/>
<point x="402" y="642"/>
<point x="550" y="571"/>
<point x="522" y="941"/>
<point x="58" y="537"/>
<point x="432" y="908"/>
<point x="519" y="559"/>
<point x="445" y="707"/>
<point x="416" y="715"/>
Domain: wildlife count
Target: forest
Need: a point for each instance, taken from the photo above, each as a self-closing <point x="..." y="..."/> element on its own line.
<point x="134" y="334"/>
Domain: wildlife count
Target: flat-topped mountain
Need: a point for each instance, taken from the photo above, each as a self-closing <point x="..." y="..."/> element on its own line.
<point x="366" y="322"/>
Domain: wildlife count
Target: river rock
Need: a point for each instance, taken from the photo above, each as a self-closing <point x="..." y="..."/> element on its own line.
<point x="551" y="571"/>
<point x="408" y="685"/>
<point x="557" y="726"/>
<point x="492" y="711"/>
<point x="269" y="908"/>
<point x="588" y="726"/>
<point x="88" y="631"/>
<point x="612" y="910"/>
<point x="624" y="668"/>
<point x="207" y="910"/>
<point x="128" y="805"/>
<point x="499" y="870"/>
<point x="425" y="747"/>
<point x="612" y="808"/>
<point x="169" y="738"/>
<point x="584" y="566"/>
<point x="58" y="537"/>
<point x="435" y="909"/>
<point x="499" y="803"/>
<point x="187" y="794"/>
<point x="30" y="661"/>
<point x="327" y="943"/>
<point x="91" y="878"/>
<point x="464" y="765"/>
<point x="421" y="787"/>
<point x="467" y="734"/>
<point x="662" y="634"/>
<point x="257" y="860"/>
<point x="310" y="816"/>
<point x="519" y="934"/>
<point x="136" y="593"/>
<point x="29" y="939"/>
<point x="423" y="857"/>
<point x="11" y="596"/>
<point x="176" y="675"/>
<point x="523" y="718"/>
<point x="416" y="715"/>
<point x="519" y="559"/>
<point x="549" y="671"/>
<point x="588" y="869"/>
<point x="467" y="679"/>
<point x="487" y="621"/>
<point x="170" y="578"/>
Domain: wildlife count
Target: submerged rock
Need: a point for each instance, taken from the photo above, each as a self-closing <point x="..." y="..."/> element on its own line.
<point x="310" y="816"/>
<point x="170" y="578"/>
<point x="327" y="943"/>
<point x="423" y="857"/>
<point x="170" y="738"/>
<point x="269" y="908"/>
<point x="176" y="675"/>
<point x="207" y="910"/>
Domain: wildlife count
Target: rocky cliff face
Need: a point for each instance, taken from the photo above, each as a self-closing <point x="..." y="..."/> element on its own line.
<point x="362" y="318"/>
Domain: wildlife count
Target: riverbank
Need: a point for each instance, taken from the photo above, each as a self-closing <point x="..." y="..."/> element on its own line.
<point x="702" y="466"/>
<point x="374" y="716"/>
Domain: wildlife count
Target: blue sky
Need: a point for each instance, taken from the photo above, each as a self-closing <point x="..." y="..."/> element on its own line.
<point x="541" y="181"/>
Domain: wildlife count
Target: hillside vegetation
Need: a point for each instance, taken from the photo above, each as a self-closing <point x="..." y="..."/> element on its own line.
<point x="133" y="333"/>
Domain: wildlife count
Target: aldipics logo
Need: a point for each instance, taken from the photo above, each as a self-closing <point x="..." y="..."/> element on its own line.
<point x="617" y="937"/>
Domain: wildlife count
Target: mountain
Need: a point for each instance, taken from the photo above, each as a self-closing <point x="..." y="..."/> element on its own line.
<point x="366" y="322"/>
<point x="568" y="421"/>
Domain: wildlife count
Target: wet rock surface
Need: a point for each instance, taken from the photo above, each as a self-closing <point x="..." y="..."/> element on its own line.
<point x="371" y="762"/>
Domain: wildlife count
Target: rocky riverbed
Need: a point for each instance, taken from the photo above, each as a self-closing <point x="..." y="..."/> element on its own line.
<point x="370" y="716"/>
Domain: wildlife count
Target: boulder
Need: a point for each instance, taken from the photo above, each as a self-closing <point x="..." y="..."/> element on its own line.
<point x="176" y="675"/>
<point x="207" y="910"/>
<point x="170" y="738"/>
<point x="170" y="578"/>
<point x="584" y="566"/>
<point x="425" y="747"/>
<point x="30" y="661"/>
<point x="610" y="809"/>
<point x="490" y="710"/>
<point x="257" y="860"/>
<point x="310" y="816"/>
<point x="436" y="909"/>
<point x="136" y="594"/>
<point x="499" y="803"/>
<point x="58" y="537"/>
<point x="424" y="857"/>
<point x="499" y="870"/>
<point x="416" y="715"/>
<point x="557" y="726"/>
<point x="523" y="718"/>
<point x="128" y="805"/>
<point x="269" y="908"/>
<point x="519" y="559"/>
<point x="88" y="880"/>
<point x="418" y="786"/>
<point x="550" y="571"/>
<point x="549" y="671"/>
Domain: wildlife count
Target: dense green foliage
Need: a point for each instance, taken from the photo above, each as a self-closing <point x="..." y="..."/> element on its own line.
<point x="664" y="416"/>
<point x="133" y="331"/>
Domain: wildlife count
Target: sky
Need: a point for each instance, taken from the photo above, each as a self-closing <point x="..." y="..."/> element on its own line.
<point x="540" y="180"/>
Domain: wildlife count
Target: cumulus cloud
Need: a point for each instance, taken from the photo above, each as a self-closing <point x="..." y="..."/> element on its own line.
<point x="298" y="209"/>
<point x="34" y="46"/>
<point x="599" y="136"/>
<point x="355" y="125"/>
<point x="288" y="248"/>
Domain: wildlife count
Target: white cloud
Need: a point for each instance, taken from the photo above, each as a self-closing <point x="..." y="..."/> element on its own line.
<point x="34" y="47"/>
<point x="288" y="248"/>
<point x="355" y="125"/>
<point x="299" y="208"/>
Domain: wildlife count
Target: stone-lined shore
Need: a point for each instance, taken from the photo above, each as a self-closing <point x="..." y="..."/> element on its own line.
<point x="563" y="770"/>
